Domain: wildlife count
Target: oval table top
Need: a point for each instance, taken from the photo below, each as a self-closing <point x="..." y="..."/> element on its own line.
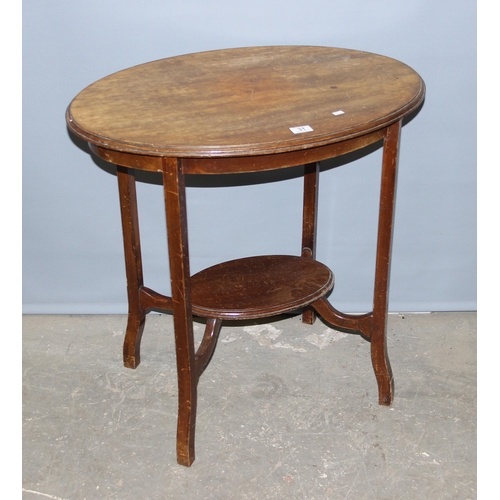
<point x="245" y="101"/>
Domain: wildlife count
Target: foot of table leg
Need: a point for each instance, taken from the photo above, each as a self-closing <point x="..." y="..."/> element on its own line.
<point x="186" y="424"/>
<point x="381" y="365"/>
<point x="132" y="343"/>
<point x="308" y="316"/>
<point x="373" y="328"/>
<point x="185" y="460"/>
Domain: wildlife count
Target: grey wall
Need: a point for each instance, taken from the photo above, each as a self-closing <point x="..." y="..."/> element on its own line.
<point x="72" y="248"/>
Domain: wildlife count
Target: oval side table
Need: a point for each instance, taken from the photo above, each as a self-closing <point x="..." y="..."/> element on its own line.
<point x="239" y="111"/>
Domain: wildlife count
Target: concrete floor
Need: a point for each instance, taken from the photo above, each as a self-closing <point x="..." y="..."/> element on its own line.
<point x="286" y="411"/>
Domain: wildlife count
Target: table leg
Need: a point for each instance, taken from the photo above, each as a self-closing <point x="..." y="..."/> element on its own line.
<point x="175" y="206"/>
<point x="380" y="360"/>
<point x="309" y="218"/>
<point x="373" y="325"/>
<point x="133" y="266"/>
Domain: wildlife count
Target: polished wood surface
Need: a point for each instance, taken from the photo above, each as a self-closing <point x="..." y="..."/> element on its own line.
<point x="242" y="102"/>
<point x="259" y="287"/>
<point x="233" y="111"/>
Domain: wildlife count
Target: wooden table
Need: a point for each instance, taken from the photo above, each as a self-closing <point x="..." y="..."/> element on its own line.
<point x="234" y="111"/>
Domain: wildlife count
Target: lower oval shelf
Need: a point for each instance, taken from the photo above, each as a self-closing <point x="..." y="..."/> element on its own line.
<point x="258" y="287"/>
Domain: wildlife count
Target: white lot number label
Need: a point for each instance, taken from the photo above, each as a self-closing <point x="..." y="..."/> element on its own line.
<point x="301" y="130"/>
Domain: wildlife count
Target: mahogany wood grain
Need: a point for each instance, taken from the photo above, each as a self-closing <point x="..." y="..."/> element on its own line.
<point x="187" y="374"/>
<point x="241" y="164"/>
<point x="233" y="111"/>
<point x="309" y="220"/>
<point x="207" y="346"/>
<point x="259" y="287"/>
<point x="242" y="102"/>
<point x="361" y="323"/>
<point x="149" y="299"/>
<point x="380" y="360"/>
<point x="133" y="267"/>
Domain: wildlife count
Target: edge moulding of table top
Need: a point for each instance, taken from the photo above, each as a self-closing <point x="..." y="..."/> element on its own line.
<point x="239" y="111"/>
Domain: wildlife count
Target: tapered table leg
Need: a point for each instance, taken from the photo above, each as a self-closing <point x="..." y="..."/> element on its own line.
<point x="380" y="360"/>
<point x="133" y="266"/>
<point x="175" y="205"/>
<point x="309" y="218"/>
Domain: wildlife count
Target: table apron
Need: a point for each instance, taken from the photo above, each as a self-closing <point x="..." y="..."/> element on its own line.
<point x="241" y="164"/>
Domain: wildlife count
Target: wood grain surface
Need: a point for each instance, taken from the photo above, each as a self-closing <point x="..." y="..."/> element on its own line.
<point x="243" y="102"/>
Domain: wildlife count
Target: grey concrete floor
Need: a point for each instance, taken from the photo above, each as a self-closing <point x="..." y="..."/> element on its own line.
<point x="285" y="411"/>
